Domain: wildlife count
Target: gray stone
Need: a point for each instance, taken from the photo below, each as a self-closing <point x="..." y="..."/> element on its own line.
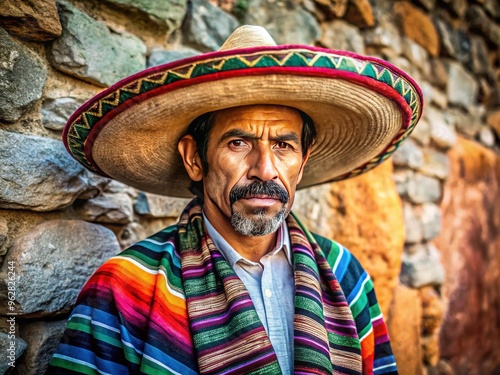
<point x="417" y="54"/>
<point x="119" y="187"/>
<point x="422" y="132"/>
<point x="433" y="95"/>
<point x="427" y="91"/>
<point x="11" y="347"/>
<point x="385" y="34"/>
<point x="442" y="130"/>
<point x="206" y="26"/>
<point x="480" y="62"/>
<point x="402" y="179"/>
<point x="53" y="261"/>
<point x="467" y="123"/>
<point x="413" y="229"/>
<point x="108" y="208"/>
<point x="38" y="174"/>
<point x="439" y="73"/>
<point x="167" y="12"/>
<point x="160" y="57"/>
<point x="287" y="22"/>
<point x="455" y="43"/>
<point x="130" y="234"/>
<point x="87" y="49"/>
<point x="421" y="189"/>
<point x="42" y="338"/>
<point x="430" y="220"/>
<point x="341" y="35"/>
<point x="152" y="205"/>
<point x="487" y="136"/>
<point x="435" y="164"/>
<point x="439" y="99"/>
<point x="22" y="78"/>
<point x="462" y="87"/>
<point x="56" y="112"/>
<point x="480" y="22"/>
<point x="408" y="155"/>
<point x="33" y="20"/>
<point x="421" y="266"/>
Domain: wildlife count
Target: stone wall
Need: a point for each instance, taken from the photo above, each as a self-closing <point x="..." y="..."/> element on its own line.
<point x="426" y="228"/>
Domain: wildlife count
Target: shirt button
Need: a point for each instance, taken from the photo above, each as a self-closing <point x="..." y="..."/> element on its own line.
<point x="268" y="293"/>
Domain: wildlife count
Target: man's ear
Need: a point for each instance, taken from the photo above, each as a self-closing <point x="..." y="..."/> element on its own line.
<point x="304" y="162"/>
<point x="190" y="157"/>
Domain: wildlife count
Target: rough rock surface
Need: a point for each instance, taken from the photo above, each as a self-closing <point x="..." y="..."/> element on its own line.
<point x="38" y="174"/>
<point x="470" y="249"/>
<point x="421" y="266"/>
<point x="339" y="211"/>
<point x="107" y="208"/>
<point x="404" y="325"/>
<point x="417" y="26"/>
<point x="19" y="348"/>
<point x="31" y="19"/>
<point x="88" y="50"/>
<point x="56" y="112"/>
<point x="287" y="23"/>
<point x="168" y="12"/>
<point x="153" y="205"/>
<point x="462" y="87"/>
<point x="159" y="57"/>
<point x="22" y="77"/>
<point x="206" y="26"/>
<point x="42" y="338"/>
<point x="53" y="261"/>
<point x="341" y="35"/>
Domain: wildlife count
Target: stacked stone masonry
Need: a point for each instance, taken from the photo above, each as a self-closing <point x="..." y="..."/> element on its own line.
<point x="426" y="224"/>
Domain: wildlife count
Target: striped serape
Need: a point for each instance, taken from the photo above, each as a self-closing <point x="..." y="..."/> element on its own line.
<point x="171" y="304"/>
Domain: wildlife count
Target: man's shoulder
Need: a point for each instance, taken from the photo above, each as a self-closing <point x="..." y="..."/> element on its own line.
<point x="346" y="267"/>
<point x="151" y="250"/>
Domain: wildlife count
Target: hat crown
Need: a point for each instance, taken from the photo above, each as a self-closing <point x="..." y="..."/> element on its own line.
<point x="248" y="36"/>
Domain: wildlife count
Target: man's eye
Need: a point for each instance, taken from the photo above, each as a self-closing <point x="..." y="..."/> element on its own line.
<point x="237" y="143"/>
<point x="283" y="145"/>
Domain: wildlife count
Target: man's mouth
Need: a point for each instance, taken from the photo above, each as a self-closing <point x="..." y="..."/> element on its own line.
<point x="261" y="200"/>
<point x="259" y="193"/>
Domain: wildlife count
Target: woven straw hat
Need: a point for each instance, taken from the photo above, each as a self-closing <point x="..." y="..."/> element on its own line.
<point x="362" y="108"/>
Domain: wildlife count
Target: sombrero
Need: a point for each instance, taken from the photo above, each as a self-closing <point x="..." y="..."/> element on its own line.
<point x="362" y="107"/>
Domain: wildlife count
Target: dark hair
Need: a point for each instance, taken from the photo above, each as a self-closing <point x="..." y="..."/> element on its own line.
<point x="200" y="129"/>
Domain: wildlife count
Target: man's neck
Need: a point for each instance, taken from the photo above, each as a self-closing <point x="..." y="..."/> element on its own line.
<point x="251" y="248"/>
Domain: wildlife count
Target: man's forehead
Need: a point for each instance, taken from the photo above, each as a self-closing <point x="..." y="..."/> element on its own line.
<point x="258" y="113"/>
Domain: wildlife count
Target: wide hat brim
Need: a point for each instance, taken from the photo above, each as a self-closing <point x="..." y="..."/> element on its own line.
<point x="362" y="108"/>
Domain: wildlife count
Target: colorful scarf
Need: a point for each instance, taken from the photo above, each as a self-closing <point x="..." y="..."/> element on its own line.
<point x="227" y="334"/>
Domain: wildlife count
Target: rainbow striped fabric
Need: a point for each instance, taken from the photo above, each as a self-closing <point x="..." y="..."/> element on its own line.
<point x="171" y="304"/>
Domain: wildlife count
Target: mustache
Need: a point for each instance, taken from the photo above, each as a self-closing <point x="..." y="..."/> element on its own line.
<point x="259" y="188"/>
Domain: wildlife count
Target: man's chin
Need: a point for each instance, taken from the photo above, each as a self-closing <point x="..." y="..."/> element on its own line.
<point x="259" y="222"/>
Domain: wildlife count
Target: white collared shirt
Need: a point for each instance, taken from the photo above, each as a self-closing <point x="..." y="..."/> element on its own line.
<point x="271" y="286"/>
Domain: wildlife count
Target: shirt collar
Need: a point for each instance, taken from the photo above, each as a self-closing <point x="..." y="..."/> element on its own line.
<point x="232" y="256"/>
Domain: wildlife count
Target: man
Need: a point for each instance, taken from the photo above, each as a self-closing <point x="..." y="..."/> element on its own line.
<point x="238" y="285"/>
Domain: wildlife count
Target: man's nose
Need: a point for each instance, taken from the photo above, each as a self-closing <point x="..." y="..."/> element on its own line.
<point x="262" y="164"/>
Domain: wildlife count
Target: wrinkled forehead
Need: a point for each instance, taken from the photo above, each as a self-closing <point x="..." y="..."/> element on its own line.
<point x="258" y="115"/>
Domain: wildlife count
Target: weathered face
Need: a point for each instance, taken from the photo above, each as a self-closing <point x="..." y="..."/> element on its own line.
<point x="255" y="162"/>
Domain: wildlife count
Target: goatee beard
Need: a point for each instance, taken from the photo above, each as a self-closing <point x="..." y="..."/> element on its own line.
<point x="259" y="224"/>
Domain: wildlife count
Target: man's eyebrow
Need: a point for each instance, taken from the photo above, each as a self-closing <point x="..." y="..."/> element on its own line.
<point x="238" y="133"/>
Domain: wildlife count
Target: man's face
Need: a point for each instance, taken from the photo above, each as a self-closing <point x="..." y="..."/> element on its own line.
<point x="255" y="162"/>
